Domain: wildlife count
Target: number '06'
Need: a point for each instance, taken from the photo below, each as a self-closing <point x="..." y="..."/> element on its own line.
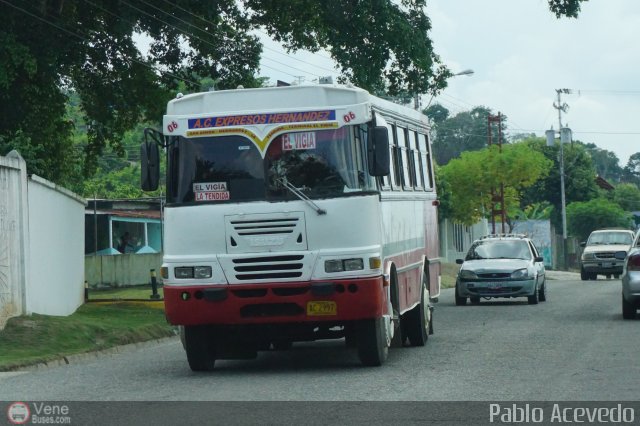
<point x="348" y="117"/>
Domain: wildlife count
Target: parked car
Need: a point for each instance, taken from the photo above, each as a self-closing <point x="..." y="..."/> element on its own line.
<point x="501" y="266"/>
<point x="599" y="253"/>
<point x="630" y="279"/>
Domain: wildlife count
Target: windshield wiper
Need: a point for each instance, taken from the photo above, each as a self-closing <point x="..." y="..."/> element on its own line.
<point x="301" y="195"/>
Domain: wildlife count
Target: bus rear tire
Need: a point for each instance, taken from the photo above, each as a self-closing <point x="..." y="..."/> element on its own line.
<point x="199" y="342"/>
<point x="373" y="347"/>
<point x="419" y="320"/>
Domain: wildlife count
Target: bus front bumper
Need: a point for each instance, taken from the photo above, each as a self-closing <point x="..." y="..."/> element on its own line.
<point x="324" y="301"/>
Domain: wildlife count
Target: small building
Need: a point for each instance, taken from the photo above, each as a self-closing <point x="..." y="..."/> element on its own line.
<point x="115" y="227"/>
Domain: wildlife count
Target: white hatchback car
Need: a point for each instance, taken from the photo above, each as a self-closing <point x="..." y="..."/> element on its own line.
<point x="501" y="266"/>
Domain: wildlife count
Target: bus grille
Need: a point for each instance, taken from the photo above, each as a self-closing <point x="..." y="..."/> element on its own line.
<point x="265" y="227"/>
<point x="265" y="232"/>
<point x="270" y="267"/>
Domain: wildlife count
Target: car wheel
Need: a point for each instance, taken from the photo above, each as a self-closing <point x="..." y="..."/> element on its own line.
<point x="460" y="301"/>
<point x="628" y="309"/>
<point x="616" y="276"/>
<point x="533" y="299"/>
<point x="593" y="276"/>
<point x="542" y="293"/>
<point x="475" y="300"/>
<point x="584" y="275"/>
<point x="608" y="276"/>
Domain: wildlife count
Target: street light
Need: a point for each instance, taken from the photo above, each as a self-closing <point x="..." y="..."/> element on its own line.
<point x="468" y="71"/>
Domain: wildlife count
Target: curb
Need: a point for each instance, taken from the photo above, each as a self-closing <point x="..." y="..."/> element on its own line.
<point x="94" y="355"/>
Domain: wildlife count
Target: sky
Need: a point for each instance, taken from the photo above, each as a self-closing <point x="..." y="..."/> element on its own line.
<point x="520" y="54"/>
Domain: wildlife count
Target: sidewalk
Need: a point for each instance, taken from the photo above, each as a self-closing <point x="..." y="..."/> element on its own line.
<point x="562" y="275"/>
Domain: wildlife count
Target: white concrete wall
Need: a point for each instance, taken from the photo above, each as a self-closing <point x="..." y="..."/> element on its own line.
<point x="455" y="239"/>
<point x="56" y="243"/>
<point x="13" y="228"/>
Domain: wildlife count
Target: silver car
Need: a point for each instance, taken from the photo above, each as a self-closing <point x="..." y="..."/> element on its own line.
<point x="631" y="279"/>
<point x="598" y="257"/>
<point x="501" y="266"/>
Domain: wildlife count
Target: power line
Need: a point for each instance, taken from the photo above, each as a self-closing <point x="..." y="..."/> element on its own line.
<point x="89" y="41"/>
<point x="189" y="33"/>
<point x="256" y="29"/>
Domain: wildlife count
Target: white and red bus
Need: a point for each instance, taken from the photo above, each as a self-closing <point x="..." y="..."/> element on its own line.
<point x="295" y="214"/>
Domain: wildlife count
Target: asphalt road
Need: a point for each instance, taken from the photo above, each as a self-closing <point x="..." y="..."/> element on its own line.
<point x="574" y="347"/>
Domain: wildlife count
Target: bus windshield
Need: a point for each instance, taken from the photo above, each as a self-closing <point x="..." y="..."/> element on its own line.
<point x="321" y="164"/>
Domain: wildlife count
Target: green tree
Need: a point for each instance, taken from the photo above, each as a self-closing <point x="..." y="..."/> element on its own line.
<point x="465" y="131"/>
<point x="606" y="162"/>
<point x="631" y="172"/>
<point x="584" y="217"/>
<point x="50" y="48"/>
<point x="579" y="172"/>
<point x="471" y="178"/>
<point x="627" y="196"/>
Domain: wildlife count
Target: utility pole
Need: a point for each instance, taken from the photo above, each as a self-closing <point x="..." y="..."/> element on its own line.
<point x="496" y="197"/>
<point x="562" y="108"/>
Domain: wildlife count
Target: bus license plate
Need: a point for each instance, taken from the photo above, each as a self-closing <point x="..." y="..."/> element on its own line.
<point x="322" y="308"/>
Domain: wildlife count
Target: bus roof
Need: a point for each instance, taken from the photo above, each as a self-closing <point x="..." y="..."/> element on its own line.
<point x="274" y="99"/>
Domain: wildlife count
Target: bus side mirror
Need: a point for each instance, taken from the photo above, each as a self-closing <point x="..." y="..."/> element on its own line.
<point x="379" y="151"/>
<point x="149" y="161"/>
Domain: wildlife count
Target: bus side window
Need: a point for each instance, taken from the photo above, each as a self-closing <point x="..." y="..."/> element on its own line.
<point x="416" y="171"/>
<point x="404" y="156"/>
<point x="387" y="180"/>
<point x="425" y="159"/>
<point x="395" y="160"/>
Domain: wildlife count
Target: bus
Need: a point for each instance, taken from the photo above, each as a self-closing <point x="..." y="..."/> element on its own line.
<point x="295" y="214"/>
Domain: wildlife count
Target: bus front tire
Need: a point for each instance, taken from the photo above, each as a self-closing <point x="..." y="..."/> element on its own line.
<point x="199" y="342"/>
<point x="371" y="337"/>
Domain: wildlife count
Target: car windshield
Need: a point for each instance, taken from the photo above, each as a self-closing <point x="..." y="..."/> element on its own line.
<point x="499" y="249"/>
<point x="624" y="238"/>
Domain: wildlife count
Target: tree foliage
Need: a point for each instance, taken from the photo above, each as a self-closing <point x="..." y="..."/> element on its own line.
<point x="627" y="196"/>
<point x="631" y="172"/>
<point x="51" y="48"/>
<point x="465" y="131"/>
<point x="606" y="162"/>
<point x="579" y="172"/>
<point x="584" y="217"/>
<point x="568" y="8"/>
<point x="472" y="177"/>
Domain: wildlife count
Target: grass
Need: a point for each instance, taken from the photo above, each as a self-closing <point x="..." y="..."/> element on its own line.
<point x="28" y="340"/>
<point x="138" y="292"/>
<point x="448" y="272"/>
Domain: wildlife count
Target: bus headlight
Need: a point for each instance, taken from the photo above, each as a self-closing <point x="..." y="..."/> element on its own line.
<point x="202" y="272"/>
<point x="341" y="265"/>
<point x="189" y="272"/>
<point x="183" y="272"/>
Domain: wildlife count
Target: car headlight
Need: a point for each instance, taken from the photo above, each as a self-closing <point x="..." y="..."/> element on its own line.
<point x="467" y="275"/>
<point x="520" y="273"/>
<point x="340" y="265"/>
<point x="588" y="256"/>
